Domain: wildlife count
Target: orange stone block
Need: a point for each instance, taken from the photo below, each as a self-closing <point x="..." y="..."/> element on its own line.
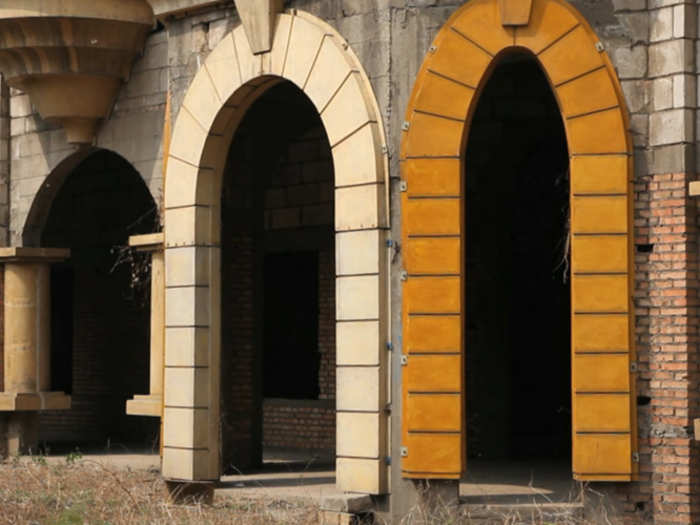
<point x="434" y="295"/>
<point x="442" y="96"/>
<point x="602" y="413"/>
<point x="425" y="177"/>
<point x="432" y="333"/>
<point x="457" y="58"/>
<point x="515" y="12"/>
<point x="600" y="332"/>
<point x="433" y="373"/>
<point x="601" y="373"/>
<point x="591" y="92"/>
<point x="433" y="255"/>
<point x="599" y="214"/>
<point x="432" y="217"/>
<point x="602" y="457"/>
<point x="600" y="174"/>
<point x="481" y="23"/>
<point x="600" y="254"/>
<point x="600" y="293"/>
<point x="431" y="136"/>
<point x="430" y="455"/>
<point x="602" y="132"/>
<point x="573" y="55"/>
<point x="434" y="412"/>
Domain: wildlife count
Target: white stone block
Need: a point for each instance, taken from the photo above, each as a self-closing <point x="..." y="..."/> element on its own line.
<point x="187" y="428"/>
<point x="187" y="306"/>
<point x="359" y="252"/>
<point x="358" y="297"/>
<point x="187" y="346"/>
<point x="187" y="266"/>
<point x="359" y="343"/>
<point x="187" y="387"/>
<point x="361" y="475"/>
<point x="359" y="435"/>
<point x="359" y="388"/>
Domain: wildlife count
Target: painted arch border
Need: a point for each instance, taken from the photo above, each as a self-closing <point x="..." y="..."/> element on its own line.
<point x="312" y="55"/>
<point x="436" y="130"/>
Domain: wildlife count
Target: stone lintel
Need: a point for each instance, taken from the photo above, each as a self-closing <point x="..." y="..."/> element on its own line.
<point x="150" y="405"/>
<point x="163" y="9"/>
<point x="30" y="254"/>
<point x="31" y="402"/>
<point x="515" y="12"/>
<point x="151" y="242"/>
<point x="694" y="189"/>
<point x="258" y="19"/>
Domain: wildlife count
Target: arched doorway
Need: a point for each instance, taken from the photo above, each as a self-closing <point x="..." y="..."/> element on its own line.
<point x="278" y="289"/>
<point x="100" y="304"/>
<point x="435" y="152"/>
<point x="313" y="56"/>
<point x="516" y="250"/>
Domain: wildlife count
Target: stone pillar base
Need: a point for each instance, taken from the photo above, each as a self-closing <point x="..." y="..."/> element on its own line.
<point x="18" y="402"/>
<point x="188" y="492"/>
<point x="4" y="418"/>
<point x="150" y="405"/>
<point x="20" y="433"/>
<point x="348" y="509"/>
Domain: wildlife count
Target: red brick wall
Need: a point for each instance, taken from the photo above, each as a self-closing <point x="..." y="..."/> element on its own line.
<point x="666" y="297"/>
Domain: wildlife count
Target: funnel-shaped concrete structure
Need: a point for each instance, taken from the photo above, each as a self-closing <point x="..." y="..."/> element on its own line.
<point x="72" y="56"/>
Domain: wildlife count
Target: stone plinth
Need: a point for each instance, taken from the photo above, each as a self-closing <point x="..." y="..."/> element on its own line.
<point x="152" y="404"/>
<point x="27" y="344"/>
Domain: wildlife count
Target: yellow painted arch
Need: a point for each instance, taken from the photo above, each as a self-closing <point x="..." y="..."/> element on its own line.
<point x="446" y="93"/>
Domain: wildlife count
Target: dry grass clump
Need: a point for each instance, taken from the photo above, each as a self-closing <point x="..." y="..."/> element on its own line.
<point x="435" y="511"/>
<point x="77" y="492"/>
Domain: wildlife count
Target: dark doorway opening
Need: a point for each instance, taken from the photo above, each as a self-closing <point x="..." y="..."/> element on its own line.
<point x="290" y="354"/>
<point x="100" y="317"/>
<point x="278" y="289"/>
<point x="517" y="324"/>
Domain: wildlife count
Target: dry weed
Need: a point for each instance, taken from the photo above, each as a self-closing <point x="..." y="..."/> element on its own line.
<point x="82" y="492"/>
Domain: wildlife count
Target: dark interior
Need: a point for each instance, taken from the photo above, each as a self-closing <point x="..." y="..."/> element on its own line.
<point x="277" y="281"/>
<point x="100" y="314"/>
<point x="291" y="358"/>
<point x="517" y="265"/>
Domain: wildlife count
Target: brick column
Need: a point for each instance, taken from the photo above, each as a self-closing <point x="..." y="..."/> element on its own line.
<point x="27" y="345"/>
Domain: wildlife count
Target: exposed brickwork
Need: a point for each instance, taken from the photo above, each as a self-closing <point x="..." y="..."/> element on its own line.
<point x="240" y="419"/>
<point x="299" y="424"/>
<point x="297" y="200"/>
<point x="666" y="303"/>
<point x="102" y="202"/>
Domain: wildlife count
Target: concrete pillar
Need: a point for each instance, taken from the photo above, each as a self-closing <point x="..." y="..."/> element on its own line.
<point x="27" y="346"/>
<point x="27" y="356"/>
<point x="152" y="403"/>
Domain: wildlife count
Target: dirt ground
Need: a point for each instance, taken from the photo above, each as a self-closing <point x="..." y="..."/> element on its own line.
<point x="76" y="491"/>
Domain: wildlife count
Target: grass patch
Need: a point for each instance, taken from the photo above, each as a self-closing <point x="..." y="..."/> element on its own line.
<point x="83" y="492"/>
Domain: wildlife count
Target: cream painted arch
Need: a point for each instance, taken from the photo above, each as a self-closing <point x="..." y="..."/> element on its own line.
<point x="312" y="55"/>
